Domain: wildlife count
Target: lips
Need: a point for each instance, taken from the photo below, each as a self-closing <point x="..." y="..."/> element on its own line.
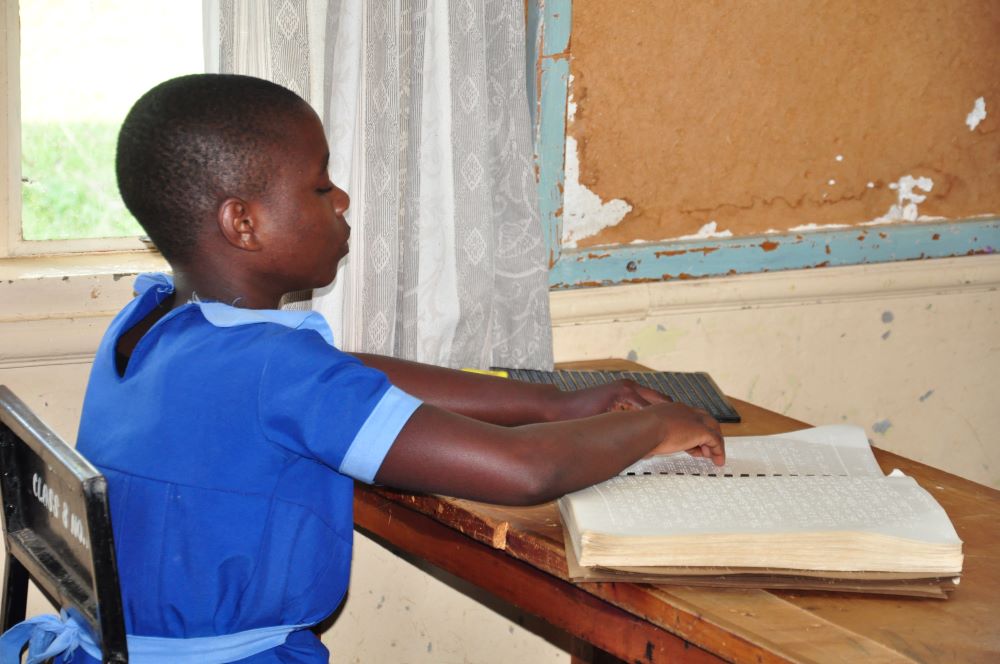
<point x="347" y="246"/>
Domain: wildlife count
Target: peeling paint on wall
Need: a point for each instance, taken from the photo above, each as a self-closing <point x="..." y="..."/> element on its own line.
<point x="813" y="227"/>
<point x="584" y="213"/>
<point x="907" y="201"/>
<point x="709" y="230"/>
<point x="977" y="115"/>
<point x="570" y="103"/>
<point x="679" y="128"/>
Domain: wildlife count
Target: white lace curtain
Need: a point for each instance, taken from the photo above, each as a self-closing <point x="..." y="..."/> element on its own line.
<point x="425" y="107"/>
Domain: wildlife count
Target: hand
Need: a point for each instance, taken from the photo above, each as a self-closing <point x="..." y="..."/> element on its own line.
<point x="691" y="430"/>
<point x="619" y="395"/>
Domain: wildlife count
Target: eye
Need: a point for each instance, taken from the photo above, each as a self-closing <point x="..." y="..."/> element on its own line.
<point x="324" y="190"/>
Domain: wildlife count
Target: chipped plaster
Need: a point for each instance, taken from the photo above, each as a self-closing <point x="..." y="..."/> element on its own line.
<point x="977" y="114"/>
<point x="709" y="230"/>
<point x="584" y="213"/>
<point x="681" y="131"/>
<point x="907" y="201"/>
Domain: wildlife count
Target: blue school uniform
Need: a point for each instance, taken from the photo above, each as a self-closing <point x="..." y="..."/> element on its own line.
<point x="229" y="445"/>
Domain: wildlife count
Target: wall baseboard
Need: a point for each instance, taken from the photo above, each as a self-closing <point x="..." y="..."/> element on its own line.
<point x="877" y="281"/>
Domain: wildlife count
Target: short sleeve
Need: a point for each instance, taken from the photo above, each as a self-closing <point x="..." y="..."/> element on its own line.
<point x="319" y="402"/>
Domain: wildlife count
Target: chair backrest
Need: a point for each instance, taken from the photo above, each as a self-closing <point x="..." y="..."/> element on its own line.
<point x="57" y="528"/>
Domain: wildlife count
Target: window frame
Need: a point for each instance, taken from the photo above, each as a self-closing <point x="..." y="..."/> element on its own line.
<point x="58" y="296"/>
<point x="12" y="243"/>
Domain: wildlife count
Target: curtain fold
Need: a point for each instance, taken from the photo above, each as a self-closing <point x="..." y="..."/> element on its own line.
<point x="426" y="114"/>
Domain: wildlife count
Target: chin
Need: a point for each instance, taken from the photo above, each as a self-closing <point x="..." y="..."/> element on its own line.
<point x="330" y="276"/>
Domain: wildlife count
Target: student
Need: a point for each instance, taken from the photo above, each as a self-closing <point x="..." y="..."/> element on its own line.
<point x="230" y="431"/>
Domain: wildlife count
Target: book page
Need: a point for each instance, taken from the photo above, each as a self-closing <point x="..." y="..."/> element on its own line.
<point x="837" y="449"/>
<point x="684" y="505"/>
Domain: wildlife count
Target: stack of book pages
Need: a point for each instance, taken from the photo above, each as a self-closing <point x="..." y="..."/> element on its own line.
<point x="804" y="510"/>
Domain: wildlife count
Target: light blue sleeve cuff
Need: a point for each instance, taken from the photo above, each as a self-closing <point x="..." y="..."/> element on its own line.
<point x="368" y="449"/>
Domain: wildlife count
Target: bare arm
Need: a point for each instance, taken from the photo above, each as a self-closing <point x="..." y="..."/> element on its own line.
<point x="444" y="452"/>
<point x="503" y="401"/>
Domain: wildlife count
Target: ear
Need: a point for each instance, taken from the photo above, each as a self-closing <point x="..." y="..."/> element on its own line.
<point x="238" y="225"/>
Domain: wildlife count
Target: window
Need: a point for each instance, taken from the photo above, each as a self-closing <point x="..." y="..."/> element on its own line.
<point x="74" y="67"/>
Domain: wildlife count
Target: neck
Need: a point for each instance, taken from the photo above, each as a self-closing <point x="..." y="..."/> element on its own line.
<point x="226" y="288"/>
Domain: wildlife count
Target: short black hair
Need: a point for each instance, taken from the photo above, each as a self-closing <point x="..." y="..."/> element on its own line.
<point x="191" y="142"/>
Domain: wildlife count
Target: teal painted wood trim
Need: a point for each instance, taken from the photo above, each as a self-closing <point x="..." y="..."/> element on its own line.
<point x="685" y="259"/>
<point x="557" y="18"/>
<point x="550" y="144"/>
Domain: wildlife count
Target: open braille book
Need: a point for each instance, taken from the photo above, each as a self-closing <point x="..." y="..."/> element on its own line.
<point x="807" y="509"/>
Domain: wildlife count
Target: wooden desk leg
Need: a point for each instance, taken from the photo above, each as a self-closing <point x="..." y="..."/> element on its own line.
<point x="561" y="604"/>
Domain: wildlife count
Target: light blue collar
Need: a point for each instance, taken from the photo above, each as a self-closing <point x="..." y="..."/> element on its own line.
<point x="224" y="315"/>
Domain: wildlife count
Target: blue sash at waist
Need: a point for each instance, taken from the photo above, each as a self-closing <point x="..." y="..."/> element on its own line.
<point x="48" y="636"/>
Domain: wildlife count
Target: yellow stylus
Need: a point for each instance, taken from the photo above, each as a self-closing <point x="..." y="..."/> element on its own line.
<point x="489" y="372"/>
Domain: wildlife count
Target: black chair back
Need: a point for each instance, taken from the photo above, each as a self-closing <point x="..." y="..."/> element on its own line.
<point x="57" y="528"/>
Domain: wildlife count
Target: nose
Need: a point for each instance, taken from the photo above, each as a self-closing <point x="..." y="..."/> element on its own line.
<point x="341" y="201"/>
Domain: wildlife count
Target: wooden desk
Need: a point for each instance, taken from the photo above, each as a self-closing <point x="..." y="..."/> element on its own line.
<point x="517" y="554"/>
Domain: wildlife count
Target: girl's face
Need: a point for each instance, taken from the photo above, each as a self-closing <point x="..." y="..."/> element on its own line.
<point x="307" y="235"/>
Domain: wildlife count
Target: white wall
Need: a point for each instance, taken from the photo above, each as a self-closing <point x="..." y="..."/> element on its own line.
<point x="909" y="350"/>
